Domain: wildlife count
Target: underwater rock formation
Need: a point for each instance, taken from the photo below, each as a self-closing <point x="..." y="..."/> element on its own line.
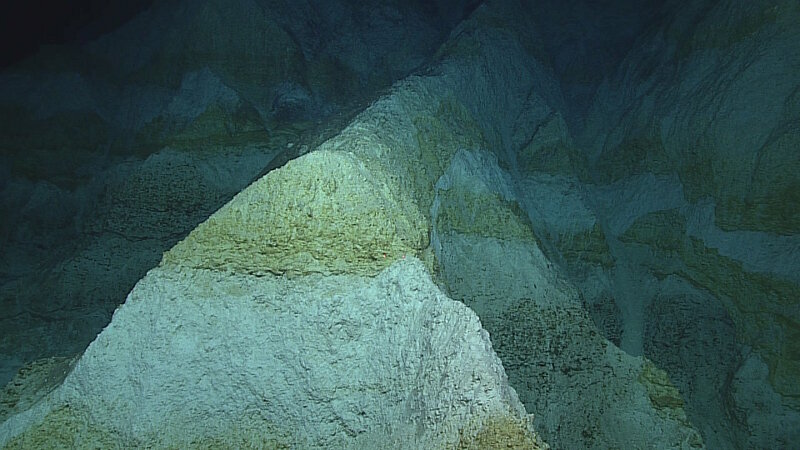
<point x="408" y="247"/>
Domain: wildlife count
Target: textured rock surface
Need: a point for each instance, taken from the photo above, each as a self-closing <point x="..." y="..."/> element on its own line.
<point x="637" y="269"/>
<point x="755" y="301"/>
<point x="231" y="353"/>
<point x="423" y="162"/>
<point x="696" y="340"/>
<point x="61" y="284"/>
<point x="324" y="212"/>
<point x="685" y="216"/>
<point x="316" y="362"/>
<point x="559" y="363"/>
<point x="115" y="149"/>
<point x="33" y="383"/>
<point x="716" y="101"/>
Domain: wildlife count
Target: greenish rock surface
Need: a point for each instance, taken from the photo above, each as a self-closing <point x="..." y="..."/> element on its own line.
<point x="756" y="302"/>
<point x="63" y="428"/>
<point x="694" y="145"/>
<point x="552" y="151"/>
<point x="32" y="383"/>
<point x="662" y="393"/>
<point x="325" y="212"/>
<point x="719" y="109"/>
<point x="486" y="215"/>
<point x="439" y="135"/>
<point x="588" y="247"/>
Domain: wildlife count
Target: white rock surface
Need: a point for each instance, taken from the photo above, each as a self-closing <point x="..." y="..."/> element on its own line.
<point x="325" y="362"/>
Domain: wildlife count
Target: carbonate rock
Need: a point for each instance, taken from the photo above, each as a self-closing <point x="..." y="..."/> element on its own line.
<point x="200" y="356"/>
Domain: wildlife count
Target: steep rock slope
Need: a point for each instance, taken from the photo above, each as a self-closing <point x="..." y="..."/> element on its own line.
<point x="114" y="150"/>
<point x="676" y="211"/>
<point x="321" y="253"/>
<point x="586" y="40"/>
<point x="376" y="356"/>
<point x="199" y="358"/>
<point x="712" y="95"/>
<point x="585" y="391"/>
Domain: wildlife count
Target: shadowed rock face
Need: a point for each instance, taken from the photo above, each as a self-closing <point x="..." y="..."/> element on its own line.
<point x="734" y="143"/>
<point x="697" y="246"/>
<point x="25" y="26"/>
<point x="610" y="209"/>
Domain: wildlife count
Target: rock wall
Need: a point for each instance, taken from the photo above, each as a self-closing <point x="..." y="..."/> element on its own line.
<point x="586" y="392"/>
<point x="678" y="220"/>
<point x="713" y="97"/>
<point x="636" y="269"/>
<point x="114" y="150"/>
<point x="299" y="314"/>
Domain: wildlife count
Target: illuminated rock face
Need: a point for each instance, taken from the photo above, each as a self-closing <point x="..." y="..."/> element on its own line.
<point x="345" y="224"/>
<point x="355" y="295"/>
<point x="113" y="151"/>
<point x="324" y="249"/>
<point x="197" y="356"/>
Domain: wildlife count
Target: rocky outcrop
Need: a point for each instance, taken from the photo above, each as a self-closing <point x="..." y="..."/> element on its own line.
<point x="199" y="357"/>
<point x="299" y="313"/>
<point x="195" y="331"/>
<point x="176" y="110"/>
<point x="685" y="213"/>
<point x="715" y="100"/>
<point x="555" y="357"/>
<point x="634" y="270"/>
